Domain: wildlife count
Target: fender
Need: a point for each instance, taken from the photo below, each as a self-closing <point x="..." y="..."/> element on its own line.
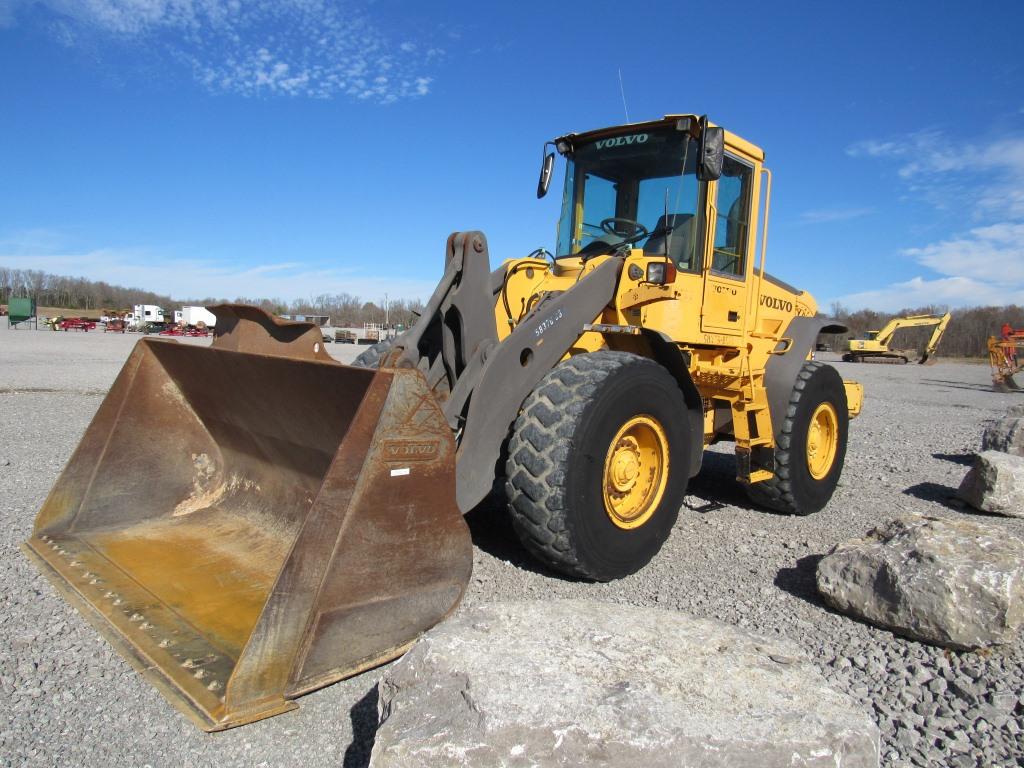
<point x="675" y="362"/>
<point x="781" y="371"/>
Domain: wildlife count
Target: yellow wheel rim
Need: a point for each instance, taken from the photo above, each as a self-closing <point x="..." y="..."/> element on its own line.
<point x="635" y="472"/>
<point x="822" y="441"/>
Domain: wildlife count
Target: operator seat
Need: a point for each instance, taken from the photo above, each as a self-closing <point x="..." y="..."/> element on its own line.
<point x="679" y="241"/>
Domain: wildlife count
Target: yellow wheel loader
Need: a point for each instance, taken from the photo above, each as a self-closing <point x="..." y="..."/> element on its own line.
<point x="301" y="520"/>
<point x="875" y="348"/>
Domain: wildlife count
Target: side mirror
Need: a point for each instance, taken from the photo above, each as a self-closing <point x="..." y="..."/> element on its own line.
<point x="712" y="153"/>
<point x="545" y="174"/>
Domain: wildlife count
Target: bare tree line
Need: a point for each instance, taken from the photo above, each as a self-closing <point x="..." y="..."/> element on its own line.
<point x="966" y="336"/>
<point x="92" y="296"/>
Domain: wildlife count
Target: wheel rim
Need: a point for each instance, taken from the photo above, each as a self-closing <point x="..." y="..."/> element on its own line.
<point x="822" y="441"/>
<point x="635" y="472"/>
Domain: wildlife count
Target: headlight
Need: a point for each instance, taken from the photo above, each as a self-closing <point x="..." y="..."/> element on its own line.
<point x="661" y="272"/>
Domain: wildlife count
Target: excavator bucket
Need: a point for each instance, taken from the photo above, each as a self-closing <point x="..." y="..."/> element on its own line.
<point x="250" y="521"/>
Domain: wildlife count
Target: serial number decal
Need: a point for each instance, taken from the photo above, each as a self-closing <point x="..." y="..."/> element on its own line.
<point x="410" y="450"/>
<point x="711" y="338"/>
<point x="547" y="323"/>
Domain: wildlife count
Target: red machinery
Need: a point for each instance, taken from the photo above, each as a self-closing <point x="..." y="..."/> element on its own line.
<point x="184" y="331"/>
<point x="1006" y="357"/>
<point x="76" y="324"/>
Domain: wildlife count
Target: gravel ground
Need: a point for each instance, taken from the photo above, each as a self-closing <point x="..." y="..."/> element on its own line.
<point x="70" y="700"/>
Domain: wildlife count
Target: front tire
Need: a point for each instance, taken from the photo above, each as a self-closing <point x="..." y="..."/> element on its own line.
<point x="598" y="464"/>
<point x="811" y="447"/>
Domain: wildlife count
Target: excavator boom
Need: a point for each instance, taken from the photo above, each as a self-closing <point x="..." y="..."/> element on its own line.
<point x="876" y="347"/>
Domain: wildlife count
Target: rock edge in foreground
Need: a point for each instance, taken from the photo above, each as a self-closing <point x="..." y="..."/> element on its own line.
<point x="581" y="682"/>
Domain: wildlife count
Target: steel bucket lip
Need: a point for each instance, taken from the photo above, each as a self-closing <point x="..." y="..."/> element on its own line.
<point x="208" y="719"/>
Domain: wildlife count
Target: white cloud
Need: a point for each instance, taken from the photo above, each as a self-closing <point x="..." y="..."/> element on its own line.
<point x="195" y="278"/>
<point x="829" y="215"/>
<point x="994" y="253"/>
<point x="311" y="48"/>
<point x="920" y="292"/>
<point x="981" y="181"/>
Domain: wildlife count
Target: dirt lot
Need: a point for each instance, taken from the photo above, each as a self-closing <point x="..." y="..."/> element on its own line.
<point x="70" y="700"/>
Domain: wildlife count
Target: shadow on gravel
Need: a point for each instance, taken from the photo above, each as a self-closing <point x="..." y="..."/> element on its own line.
<point x="800" y="580"/>
<point x="958" y="385"/>
<point x="936" y="492"/>
<point x="966" y="459"/>
<point x="364" y="729"/>
<point x="716" y="484"/>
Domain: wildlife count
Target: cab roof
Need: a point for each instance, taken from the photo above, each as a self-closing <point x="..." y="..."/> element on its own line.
<point x="731" y="139"/>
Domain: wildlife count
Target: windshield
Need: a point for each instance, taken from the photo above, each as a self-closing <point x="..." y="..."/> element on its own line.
<point x="613" y="185"/>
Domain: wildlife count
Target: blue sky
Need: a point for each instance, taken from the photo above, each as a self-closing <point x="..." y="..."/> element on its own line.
<point x="299" y="147"/>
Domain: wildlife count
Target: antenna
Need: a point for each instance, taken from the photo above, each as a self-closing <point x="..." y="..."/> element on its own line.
<point x="622" y="90"/>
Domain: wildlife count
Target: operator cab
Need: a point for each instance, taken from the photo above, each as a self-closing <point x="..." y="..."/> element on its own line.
<point x="672" y="189"/>
<point x="646" y="186"/>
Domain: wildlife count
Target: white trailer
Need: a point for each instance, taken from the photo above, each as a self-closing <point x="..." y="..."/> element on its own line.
<point x="193" y="316"/>
<point x="145" y="313"/>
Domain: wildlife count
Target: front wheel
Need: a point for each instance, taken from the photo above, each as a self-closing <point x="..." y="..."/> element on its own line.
<point x="598" y="464"/>
<point x="811" y="447"/>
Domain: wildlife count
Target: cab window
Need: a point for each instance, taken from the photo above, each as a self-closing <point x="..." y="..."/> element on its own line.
<point x="732" y="206"/>
<point x="599" y="198"/>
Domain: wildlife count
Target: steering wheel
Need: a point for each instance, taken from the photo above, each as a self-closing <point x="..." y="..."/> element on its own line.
<point x="639" y="230"/>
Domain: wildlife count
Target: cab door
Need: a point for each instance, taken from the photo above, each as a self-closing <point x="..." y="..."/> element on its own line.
<point x="725" y="272"/>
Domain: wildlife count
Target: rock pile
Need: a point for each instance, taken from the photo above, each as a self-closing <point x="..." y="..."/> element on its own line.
<point x="955" y="583"/>
<point x="995" y="483"/>
<point x="586" y="683"/>
<point x="1006" y="434"/>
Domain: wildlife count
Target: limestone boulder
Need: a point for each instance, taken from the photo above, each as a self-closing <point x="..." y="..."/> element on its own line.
<point x="569" y="683"/>
<point x="954" y="583"/>
<point x="1006" y="435"/>
<point x="995" y="484"/>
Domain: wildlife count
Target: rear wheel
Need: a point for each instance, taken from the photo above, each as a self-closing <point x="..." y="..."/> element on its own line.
<point x="598" y="464"/>
<point x="811" y="447"/>
<point x="372" y="355"/>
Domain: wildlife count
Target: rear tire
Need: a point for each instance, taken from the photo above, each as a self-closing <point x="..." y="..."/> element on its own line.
<point x="795" y="490"/>
<point x="372" y="355"/>
<point x="598" y="464"/>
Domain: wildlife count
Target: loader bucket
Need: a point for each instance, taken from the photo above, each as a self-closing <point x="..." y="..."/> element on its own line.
<point x="250" y="521"/>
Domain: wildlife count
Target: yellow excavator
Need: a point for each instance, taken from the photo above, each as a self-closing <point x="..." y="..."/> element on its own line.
<point x="299" y="520"/>
<point x="875" y="347"/>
